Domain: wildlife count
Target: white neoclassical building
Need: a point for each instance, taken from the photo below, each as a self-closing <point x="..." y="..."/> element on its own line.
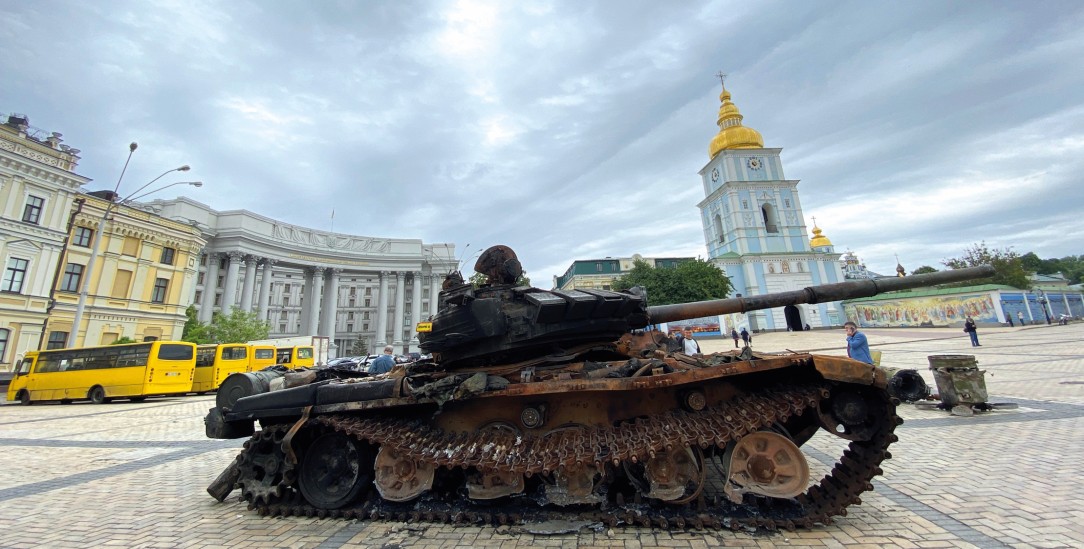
<point x="309" y="282"/>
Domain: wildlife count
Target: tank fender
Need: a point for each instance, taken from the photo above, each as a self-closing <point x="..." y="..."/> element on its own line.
<point x="837" y="368"/>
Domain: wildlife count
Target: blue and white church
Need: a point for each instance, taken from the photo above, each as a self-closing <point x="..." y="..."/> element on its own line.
<point x="755" y="230"/>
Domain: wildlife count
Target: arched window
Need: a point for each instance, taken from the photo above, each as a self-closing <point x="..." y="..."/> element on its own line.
<point x="718" y="227"/>
<point x="771" y="222"/>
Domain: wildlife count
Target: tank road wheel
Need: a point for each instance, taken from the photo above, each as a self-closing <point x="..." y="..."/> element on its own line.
<point x="399" y="478"/>
<point x="489" y="484"/>
<point x="97" y="395"/>
<point x="676" y="477"/>
<point x="336" y="468"/>
<point x="24" y="397"/>
<point x="765" y="463"/>
<point x="573" y="485"/>
<point x="265" y="473"/>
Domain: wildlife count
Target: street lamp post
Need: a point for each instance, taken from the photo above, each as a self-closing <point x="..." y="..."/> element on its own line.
<point x="1042" y="304"/>
<point x="85" y="282"/>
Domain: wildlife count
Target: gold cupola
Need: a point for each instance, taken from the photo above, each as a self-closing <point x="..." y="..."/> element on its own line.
<point x="732" y="135"/>
<point x="818" y="239"/>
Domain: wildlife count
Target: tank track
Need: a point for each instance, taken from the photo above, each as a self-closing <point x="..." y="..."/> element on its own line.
<point x="630" y="442"/>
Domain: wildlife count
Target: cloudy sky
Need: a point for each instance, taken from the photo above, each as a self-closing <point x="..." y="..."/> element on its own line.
<point x="574" y="130"/>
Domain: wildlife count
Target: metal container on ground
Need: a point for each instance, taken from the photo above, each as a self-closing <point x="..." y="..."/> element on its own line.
<point x="959" y="380"/>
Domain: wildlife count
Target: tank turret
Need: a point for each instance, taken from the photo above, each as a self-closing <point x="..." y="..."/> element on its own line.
<point x="500" y="322"/>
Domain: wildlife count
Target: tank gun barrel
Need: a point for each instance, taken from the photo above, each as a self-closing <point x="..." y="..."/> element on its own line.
<point x="813" y="294"/>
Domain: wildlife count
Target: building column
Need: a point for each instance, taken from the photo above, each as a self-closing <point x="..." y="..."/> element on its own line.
<point x="229" y="293"/>
<point x="415" y="309"/>
<point x="265" y="289"/>
<point x="314" y="276"/>
<point x="249" y="283"/>
<point x="400" y="304"/>
<point x="331" y="303"/>
<point x="435" y="282"/>
<point x="382" y="314"/>
<point x="210" y="287"/>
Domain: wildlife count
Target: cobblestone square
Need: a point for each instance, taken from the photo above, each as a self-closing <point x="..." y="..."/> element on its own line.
<point x="134" y="474"/>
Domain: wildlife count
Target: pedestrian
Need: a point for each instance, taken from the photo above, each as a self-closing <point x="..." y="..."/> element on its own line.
<point x="691" y="346"/>
<point x="734" y="334"/>
<point x="383" y="363"/>
<point x="807" y="328"/>
<point x="745" y="337"/>
<point x="969" y="327"/>
<point x="1009" y="318"/>
<point x="857" y="345"/>
<point x="679" y="339"/>
<point x="1020" y="317"/>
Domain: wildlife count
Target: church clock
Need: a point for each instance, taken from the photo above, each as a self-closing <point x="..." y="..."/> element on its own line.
<point x="754" y="163"/>
<point x="715" y="175"/>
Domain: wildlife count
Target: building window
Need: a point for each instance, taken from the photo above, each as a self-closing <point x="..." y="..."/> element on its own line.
<point x="161" y="285"/>
<point x="285" y="301"/>
<point x="14" y="275"/>
<point x="353" y="292"/>
<point x="368" y="291"/>
<point x="82" y="237"/>
<point x="365" y="315"/>
<point x="199" y="296"/>
<point x="285" y="288"/>
<point x="131" y="246"/>
<point x="73" y="274"/>
<point x="122" y="280"/>
<point x="218" y="299"/>
<point x="282" y="316"/>
<point x="57" y="340"/>
<point x="349" y="328"/>
<point x="353" y="302"/>
<point x="282" y="328"/>
<point x="365" y="326"/>
<point x="32" y="210"/>
<point x="598" y="267"/>
<point x="167" y="255"/>
<point x="366" y="302"/>
<point x="350" y="316"/>
<point x="4" y="334"/>
<point x="218" y="283"/>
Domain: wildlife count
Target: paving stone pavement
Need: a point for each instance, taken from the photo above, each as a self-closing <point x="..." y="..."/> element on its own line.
<point x="134" y="474"/>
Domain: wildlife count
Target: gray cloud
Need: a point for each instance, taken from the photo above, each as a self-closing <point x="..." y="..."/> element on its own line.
<point x="575" y="130"/>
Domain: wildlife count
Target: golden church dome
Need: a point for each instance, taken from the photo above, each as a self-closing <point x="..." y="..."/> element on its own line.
<point x="732" y="135"/>
<point x="818" y="239"/>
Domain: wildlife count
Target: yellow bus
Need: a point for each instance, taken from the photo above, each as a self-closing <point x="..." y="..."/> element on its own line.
<point x="214" y="363"/>
<point x="296" y="357"/>
<point x="133" y="371"/>
<point x="262" y="357"/>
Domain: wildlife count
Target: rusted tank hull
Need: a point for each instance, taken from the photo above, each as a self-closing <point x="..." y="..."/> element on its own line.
<point x="618" y="449"/>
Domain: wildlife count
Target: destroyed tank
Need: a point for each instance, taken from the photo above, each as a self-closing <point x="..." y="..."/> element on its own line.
<point x="547" y="404"/>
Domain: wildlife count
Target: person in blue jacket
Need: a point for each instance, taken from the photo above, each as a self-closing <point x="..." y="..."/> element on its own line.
<point x="383" y="363"/>
<point x="857" y="345"/>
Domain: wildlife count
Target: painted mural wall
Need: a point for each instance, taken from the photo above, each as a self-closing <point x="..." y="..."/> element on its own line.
<point x="924" y="311"/>
<point x="705" y="326"/>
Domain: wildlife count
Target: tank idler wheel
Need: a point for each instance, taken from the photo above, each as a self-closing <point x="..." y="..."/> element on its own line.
<point x="334" y="471"/>
<point x="399" y="478"/>
<point x="768" y="464"/>
<point x="852" y="413"/>
<point x="676" y="477"/>
<point x="265" y="473"/>
<point x="494" y="484"/>
<point x="97" y="395"/>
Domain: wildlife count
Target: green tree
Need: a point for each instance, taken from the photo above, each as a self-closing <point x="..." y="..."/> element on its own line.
<point x="237" y="327"/>
<point x="194" y="330"/>
<point x="478" y="280"/>
<point x="923" y="270"/>
<point x="123" y="340"/>
<point x="360" y="347"/>
<point x="694" y="280"/>
<point x="1010" y="268"/>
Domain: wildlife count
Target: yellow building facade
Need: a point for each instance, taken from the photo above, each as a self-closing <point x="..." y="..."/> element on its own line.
<point x="38" y="188"/>
<point x="143" y="279"/>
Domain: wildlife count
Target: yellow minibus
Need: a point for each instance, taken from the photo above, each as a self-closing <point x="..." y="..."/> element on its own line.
<point x="296" y="357"/>
<point x="100" y="374"/>
<point x="215" y="362"/>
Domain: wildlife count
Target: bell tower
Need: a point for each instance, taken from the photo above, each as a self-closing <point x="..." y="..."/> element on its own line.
<point x="754" y="227"/>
